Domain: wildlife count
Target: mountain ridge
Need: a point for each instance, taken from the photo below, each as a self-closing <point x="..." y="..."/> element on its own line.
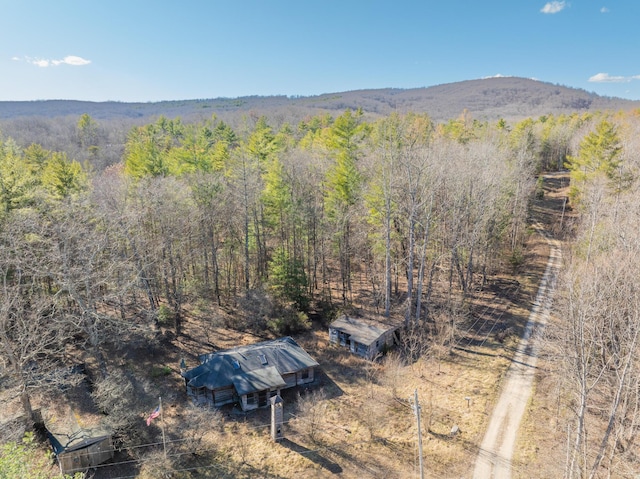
<point x="485" y="99"/>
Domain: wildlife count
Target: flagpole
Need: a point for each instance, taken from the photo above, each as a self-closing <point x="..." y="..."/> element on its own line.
<point x="164" y="442"/>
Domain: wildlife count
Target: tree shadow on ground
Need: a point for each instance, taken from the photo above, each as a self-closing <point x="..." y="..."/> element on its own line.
<point x="330" y="387"/>
<point x="313" y="456"/>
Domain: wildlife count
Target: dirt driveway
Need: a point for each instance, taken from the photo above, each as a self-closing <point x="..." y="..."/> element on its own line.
<point x="496" y="449"/>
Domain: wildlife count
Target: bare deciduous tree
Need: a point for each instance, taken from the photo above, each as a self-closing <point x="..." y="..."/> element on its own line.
<point x="34" y="329"/>
<point x="597" y="339"/>
<point x="311" y="411"/>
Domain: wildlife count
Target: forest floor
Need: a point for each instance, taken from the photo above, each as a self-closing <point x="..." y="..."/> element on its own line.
<point x="357" y="420"/>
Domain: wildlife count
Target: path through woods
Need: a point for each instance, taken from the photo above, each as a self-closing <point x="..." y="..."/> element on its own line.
<point x="496" y="450"/>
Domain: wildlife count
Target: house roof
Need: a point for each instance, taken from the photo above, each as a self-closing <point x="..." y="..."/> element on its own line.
<point x="258" y="380"/>
<point x="251" y="368"/>
<point x="362" y="330"/>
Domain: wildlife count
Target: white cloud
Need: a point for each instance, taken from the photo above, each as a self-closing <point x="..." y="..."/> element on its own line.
<point x="44" y="63"/>
<point x="72" y="60"/>
<point x="606" y="78"/>
<point x="39" y="62"/>
<point x="554" y="7"/>
<point x="604" y="10"/>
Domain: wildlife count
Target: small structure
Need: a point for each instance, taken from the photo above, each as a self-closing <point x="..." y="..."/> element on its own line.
<point x="79" y="439"/>
<point x="364" y="337"/>
<point x="250" y="375"/>
<point x="81" y="450"/>
<point x="277" y="417"/>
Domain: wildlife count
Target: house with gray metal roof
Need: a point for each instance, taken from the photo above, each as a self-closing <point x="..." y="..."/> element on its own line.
<point x="362" y="336"/>
<point x="250" y="375"/>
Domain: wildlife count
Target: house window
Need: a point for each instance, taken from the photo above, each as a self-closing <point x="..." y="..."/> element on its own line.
<point x="304" y="374"/>
<point x="251" y="399"/>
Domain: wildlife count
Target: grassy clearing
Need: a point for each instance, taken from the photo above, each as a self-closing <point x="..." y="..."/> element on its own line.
<point x="362" y="424"/>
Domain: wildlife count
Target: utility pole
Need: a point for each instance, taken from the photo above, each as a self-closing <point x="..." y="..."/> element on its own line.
<point x="416" y="410"/>
<point x="164" y="442"/>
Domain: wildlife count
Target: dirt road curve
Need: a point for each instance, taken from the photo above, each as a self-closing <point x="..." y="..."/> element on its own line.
<point x="496" y="450"/>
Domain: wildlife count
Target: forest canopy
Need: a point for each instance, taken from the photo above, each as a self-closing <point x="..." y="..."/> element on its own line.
<point x="403" y="214"/>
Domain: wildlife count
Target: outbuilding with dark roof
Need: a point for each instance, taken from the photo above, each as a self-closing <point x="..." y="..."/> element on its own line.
<point x="362" y="336"/>
<point x="75" y="428"/>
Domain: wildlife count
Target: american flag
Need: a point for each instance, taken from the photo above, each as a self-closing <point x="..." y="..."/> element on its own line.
<point x="153" y="415"/>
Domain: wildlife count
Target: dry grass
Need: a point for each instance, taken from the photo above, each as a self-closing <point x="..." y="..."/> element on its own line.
<point x="365" y="426"/>
<point x="541" y="448"/>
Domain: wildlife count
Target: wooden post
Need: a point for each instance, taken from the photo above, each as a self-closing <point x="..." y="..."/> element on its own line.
<point x="277" y="417"/>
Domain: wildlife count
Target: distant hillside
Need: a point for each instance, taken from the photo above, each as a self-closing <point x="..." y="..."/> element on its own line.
<point x="485" y="99"/>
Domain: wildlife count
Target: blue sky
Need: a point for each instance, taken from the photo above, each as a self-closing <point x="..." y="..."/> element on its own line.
<point x="140" y="50"/>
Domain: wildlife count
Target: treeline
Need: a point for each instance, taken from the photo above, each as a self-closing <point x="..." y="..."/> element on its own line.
<point x="595" y="341"/>
<point x="330" y="212"/>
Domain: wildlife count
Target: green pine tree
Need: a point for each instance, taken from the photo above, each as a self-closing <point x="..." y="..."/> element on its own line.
<point x="598" y="154"/>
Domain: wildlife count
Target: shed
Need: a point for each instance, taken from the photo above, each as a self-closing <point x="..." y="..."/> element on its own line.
<point x="250" y="375"/>
<point x="79" y="439"/>
<point x="364" y="337"/>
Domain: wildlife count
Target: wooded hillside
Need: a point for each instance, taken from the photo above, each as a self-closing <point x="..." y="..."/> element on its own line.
<point x="272" y="227"/>
<point x="511" y="98"/>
